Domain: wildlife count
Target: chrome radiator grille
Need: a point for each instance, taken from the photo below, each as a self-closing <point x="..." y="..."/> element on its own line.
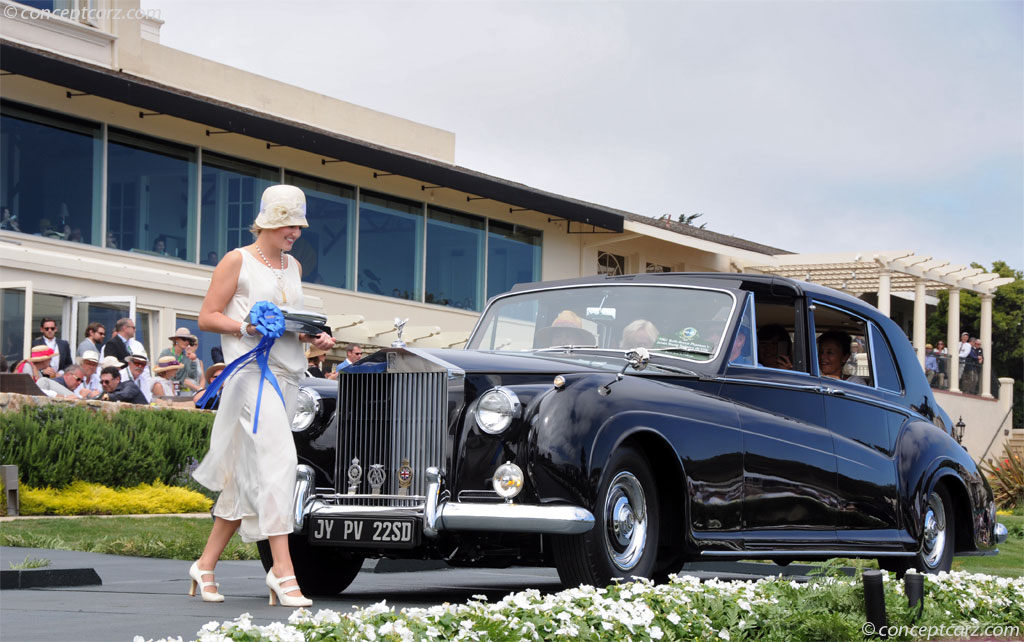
<point x="384" y="418"/>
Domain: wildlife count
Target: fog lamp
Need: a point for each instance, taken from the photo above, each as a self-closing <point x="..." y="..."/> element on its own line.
<point x="508" y="480"/>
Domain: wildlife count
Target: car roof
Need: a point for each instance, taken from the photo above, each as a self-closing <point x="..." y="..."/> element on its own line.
<point x="726" y="280"/>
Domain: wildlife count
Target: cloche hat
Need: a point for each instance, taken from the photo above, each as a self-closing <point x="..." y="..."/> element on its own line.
<point x="282" y="206"/>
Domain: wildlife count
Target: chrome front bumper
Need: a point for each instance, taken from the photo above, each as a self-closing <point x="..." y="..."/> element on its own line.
<point x="439" y="514"/>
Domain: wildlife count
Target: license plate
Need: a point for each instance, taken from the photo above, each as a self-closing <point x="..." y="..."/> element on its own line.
<point x="373" y="532"/>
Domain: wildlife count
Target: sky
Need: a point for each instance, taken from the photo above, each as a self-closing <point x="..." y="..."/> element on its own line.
<point x="807" y="126"/>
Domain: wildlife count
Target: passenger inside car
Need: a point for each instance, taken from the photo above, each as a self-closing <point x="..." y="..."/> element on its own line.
<point x="833" y="352"/>
<point x="641" y="333"/>
<point x="565" y="330"/>
<point x="774" y="347"/>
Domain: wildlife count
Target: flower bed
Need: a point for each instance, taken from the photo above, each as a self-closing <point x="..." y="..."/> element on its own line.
<point x="826" y="608"/>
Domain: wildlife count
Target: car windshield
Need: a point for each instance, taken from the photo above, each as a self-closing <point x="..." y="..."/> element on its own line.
<point x="679" y="321"/>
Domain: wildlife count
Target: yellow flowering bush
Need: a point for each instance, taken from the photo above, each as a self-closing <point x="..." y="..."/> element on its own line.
<point x="83" y="498"/>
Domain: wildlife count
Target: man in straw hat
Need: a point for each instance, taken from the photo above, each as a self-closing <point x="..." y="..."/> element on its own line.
<point x="137" y="371"/>
<point x="183" y="349"/>
<point x="90" y="387"/>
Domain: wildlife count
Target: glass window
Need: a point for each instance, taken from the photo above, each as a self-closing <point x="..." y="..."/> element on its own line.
<point x="45" y="191"/>
<point x="151" y="196"/>
<point x="513" y="256"/>
<point x="653" y="268"/>
<point x="776" y="327"/>
<point x="455" y="259"/>
<point x="742" y="352"/>
<point x="610" y="264"/>
<point x="231" y="199"/>
<point x="12" y="324"/>
<point x="841" y="345"/>
<point x="390" y="246"/>
<point x="208" y="350"/>
<point x="885" y="367"/>
<point x="326" y="249"/>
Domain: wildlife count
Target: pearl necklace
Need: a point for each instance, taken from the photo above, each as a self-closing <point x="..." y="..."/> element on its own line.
<point x="279" y="274"/>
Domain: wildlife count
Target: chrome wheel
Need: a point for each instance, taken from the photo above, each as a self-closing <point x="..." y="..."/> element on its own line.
<point x="933" y="540"/>
<point x="625" y="511"/>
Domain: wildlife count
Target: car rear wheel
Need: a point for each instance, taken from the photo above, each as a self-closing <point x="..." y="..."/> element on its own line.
<point x="937" y="539"/>
<point x="624" y="540"/>
<point x="319" y="570"/>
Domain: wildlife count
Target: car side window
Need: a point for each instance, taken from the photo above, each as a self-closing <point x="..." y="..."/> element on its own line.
<point x="841" y="345"/>
<point x="776" y="334"/>
<point x="742" y="351"/>
<point x="886" y="374"/>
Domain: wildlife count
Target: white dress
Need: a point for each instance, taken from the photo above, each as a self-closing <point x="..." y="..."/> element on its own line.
<point x="255" y="473"/>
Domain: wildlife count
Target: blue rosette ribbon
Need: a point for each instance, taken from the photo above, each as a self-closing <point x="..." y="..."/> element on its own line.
<point x="268" y="321"/>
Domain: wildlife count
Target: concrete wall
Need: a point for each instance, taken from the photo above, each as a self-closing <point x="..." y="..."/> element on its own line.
<point x="987" y="424"/>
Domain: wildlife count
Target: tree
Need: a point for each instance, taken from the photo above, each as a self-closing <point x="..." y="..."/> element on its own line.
<point x="1007" y="327"/>
<point x="688" y="219"/>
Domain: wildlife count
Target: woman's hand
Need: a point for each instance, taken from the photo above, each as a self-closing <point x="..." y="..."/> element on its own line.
<point x="323" y="340"/>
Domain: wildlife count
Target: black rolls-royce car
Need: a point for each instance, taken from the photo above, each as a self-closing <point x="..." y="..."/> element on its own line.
<point x="621" y="426"/>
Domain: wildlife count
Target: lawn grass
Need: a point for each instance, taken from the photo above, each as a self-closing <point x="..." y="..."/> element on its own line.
<point x="179" y="538"/>
<point x="1009" y="562"/>
<point x="183" y="538"/>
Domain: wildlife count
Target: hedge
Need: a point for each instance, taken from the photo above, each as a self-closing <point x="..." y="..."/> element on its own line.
<point x="82" y="498"/>
<point x="54" y="445"/>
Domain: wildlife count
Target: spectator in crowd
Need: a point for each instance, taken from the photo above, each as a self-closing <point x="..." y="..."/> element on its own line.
<point x="160" y="245"/>
<point x="63" y="386"/>
<point x="30" y="366"/>
<point x="964" y="351"/>
<point x="137" y="371"/>
<point x="211" y="375"/>
<point x="111" y="240"/>
<point x="9" y="221"/>
<point x="116" y="390"/>
<point x="942" y="358"/>
<point x="122" y="343"/>
<point x="972" y="371"/>
<point x="183" y="348"/>
<point x="931" y="364"/>
<point x="353" y="353"/>
<point x="161" y="386"/>
<point x="315" y="358"/>
<point x="95" y="333"/>
<point x="61" y="348"/>
<point x="774" y="347"/>
<point x="211" y="259"/>
<point x="90" y="387"/>
<point x="640" y="333"/>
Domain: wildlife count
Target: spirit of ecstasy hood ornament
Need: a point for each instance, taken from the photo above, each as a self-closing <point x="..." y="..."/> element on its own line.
<point x="399" y="326"/>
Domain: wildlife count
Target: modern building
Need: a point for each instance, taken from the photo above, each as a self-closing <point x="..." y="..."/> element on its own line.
<point x="128" y="169"/>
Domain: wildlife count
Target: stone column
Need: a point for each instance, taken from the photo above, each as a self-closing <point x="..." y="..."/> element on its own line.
<point x="919" y="319"/>
<point x="953" y="339"/>
<point x="986" y="344"/>
<point x="884" y="283"/>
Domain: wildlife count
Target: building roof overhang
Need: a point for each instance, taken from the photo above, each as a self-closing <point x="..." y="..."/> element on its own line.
<point x="860" y="272"/>
<point x="149" y="95"/>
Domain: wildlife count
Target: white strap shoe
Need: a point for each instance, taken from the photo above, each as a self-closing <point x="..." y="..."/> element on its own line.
<point x="282" y="594"/>
<point x="197" y="574"/>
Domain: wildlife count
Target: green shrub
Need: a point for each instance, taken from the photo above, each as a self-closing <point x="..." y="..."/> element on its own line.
<point x="1006" y="476"/>
<point x="57" y="444"/>
<point x="81" y="498"/>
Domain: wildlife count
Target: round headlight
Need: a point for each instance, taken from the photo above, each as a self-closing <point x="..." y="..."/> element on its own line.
<point x="496" y="410"/>
<point x="307" y="409"/>
<point x="508" y="480"/>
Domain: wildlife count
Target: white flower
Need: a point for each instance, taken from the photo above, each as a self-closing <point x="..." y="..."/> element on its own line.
<point x="656" y="633"/>
<point x="724" y="634"/>
<point x="674" y="618"/>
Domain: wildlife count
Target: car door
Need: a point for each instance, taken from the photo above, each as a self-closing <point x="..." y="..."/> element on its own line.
<point x="789" y="466"/>
<point x="864" y="425"/>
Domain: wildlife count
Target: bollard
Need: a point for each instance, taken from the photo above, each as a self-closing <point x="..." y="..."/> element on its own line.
<point x="874" y="599"/>
<point x="9" y="474"/>
<point x="914" y="587"/>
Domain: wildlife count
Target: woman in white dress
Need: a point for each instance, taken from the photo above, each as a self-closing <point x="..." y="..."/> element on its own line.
<point x="255" y="470"/>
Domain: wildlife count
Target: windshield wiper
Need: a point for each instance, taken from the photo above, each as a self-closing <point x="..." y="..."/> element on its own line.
<point x="683" y="351"/>
<point x="562" y="348"/>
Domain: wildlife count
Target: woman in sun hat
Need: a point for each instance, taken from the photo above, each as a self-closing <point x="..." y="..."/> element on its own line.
<point x="40" y="354"/>
<point x="163" y="386"/>
<point x="255" y="470"/>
